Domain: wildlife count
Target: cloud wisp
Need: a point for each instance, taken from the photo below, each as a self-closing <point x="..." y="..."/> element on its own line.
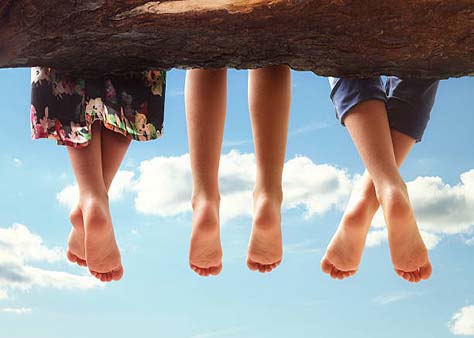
<point x="20" y="249"/>
<point x="462" y="322"/>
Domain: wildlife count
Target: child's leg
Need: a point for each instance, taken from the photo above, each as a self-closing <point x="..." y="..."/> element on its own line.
<point x="344" y="253"/>
<point x="114" y="147"/>
<point x="269" y="100"/>
<point x="206" y="92"/>
<point x="369" y="128"/>
<point x="101" y="251"/>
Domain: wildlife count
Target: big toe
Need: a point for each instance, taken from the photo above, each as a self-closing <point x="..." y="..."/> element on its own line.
<point x="426" y="271"/>
<point x="71" y="257"/>
<point x="326" y="265"/>
<point x="117" y="274"/>
<point x="75" y="259"/>
<point x="336" y="273"/>
<point x="252" y="265"/>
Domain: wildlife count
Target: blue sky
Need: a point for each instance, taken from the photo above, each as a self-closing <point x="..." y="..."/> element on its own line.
<point x="161" y="296"/>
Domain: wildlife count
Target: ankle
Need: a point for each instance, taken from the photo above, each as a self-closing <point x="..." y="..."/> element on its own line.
<point x="395" y="202"/>
<point x="359" y="214"/>
<point x="95" y="212"/>
<point x="266" y="194"/>
<point x="201" y="200"/>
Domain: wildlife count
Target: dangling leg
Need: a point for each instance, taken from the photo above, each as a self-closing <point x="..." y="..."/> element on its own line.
<point x="205" y="111"/>
<point x="101" y="251"/>
<point x="344" y="253"/>
<point x="269" y="101"/>
<point x="114" y="147"/>
<point x="369" y="128"/>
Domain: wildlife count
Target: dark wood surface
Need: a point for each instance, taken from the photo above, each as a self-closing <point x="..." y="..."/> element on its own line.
<point x="420" y="38"/>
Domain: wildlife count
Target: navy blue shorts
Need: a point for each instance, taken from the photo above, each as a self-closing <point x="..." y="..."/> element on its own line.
<point x="408" y="102"/>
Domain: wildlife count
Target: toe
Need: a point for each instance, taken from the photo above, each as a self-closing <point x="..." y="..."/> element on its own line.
<point x="252" y="265"/>
<point x="71" y="257"/>
<point x="326" y="265"/>
<point x="215" y="270"/>
<point x="416" y="276"/>
<point x="117" y="274"/>
<point x="196" y="269"/>
<point x="346" y="274"/>
<point x="334" y="272"/>
<point x="426" y="271"/>
<point x="408" y="276"/>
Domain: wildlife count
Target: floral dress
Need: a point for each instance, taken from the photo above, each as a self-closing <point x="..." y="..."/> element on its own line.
<point x="64" y="106"/>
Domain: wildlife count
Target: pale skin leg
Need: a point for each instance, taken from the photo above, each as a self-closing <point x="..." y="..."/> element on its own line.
<point x="206" y="92"/>
<point x="269" y="103"/>
<point x="408" y="251"/>
<point x="94" y="167"/>
<point x="114" y="148"/>
<point x="344" y="252"/>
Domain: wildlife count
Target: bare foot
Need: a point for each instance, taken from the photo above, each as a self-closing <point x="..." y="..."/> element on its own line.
<point x="344" y="252"/>
<point x="408" y="251"/>
<point x="101" y="250"/>
<point x="265" y="247"/>
<point x="76" y="251"/>
<point x="205" y="251"/>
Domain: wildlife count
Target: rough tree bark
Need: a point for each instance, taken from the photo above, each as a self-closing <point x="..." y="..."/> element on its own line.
<point x="422" y="38"/>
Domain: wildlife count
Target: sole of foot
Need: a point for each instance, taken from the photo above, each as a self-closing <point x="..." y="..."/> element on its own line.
<point x="205" y="250"/>
<point x="265" y="251"/>
<point x="101" y="250"/>
<point x="408" y="251"/>
<point x="344" y="252"/>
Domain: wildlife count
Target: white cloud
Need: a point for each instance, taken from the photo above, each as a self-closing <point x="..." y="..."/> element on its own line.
<point x="17" y="162"/>
<point x="121" y="183"/>
<point x="3" y="294"/>
<point x="316" y="187"/>
<point x="442" y="208"/>
<point x="462" y="322"/>
<point x="392" y="298"/>
<point x="164" y="186"/>
<point x="304" y="247"/>
<point x="18" y="244"/>
<point x="19" y="247"/>
<point x="17" y="311"/>
<point x="377" y="237"/>
<point x="68" y="196"/>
